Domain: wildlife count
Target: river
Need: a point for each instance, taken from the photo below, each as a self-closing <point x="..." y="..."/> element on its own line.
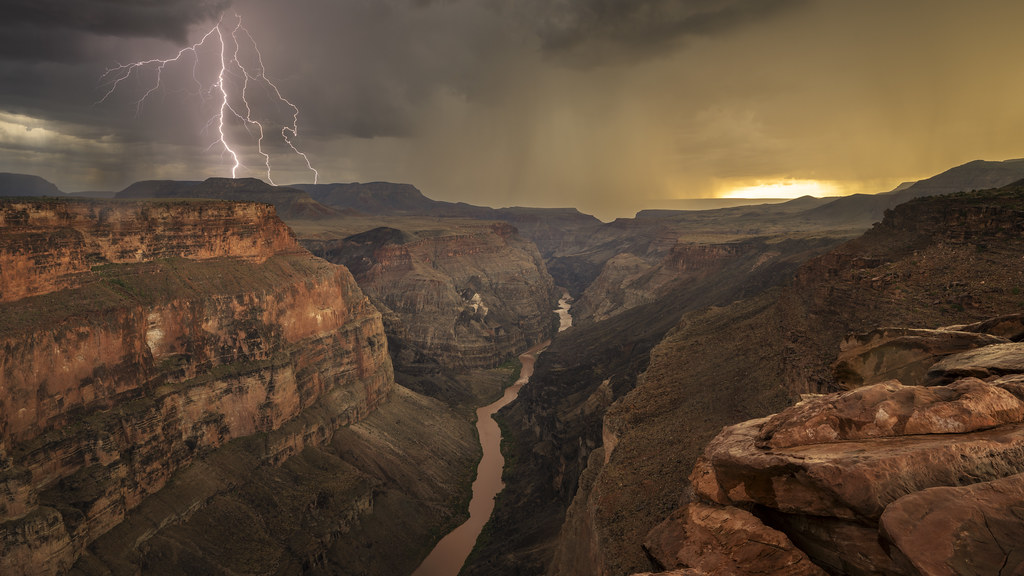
<point x="451" y="552"/>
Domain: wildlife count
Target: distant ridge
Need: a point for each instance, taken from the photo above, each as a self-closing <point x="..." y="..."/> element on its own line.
<point x="289" y="202"/>
<point x="974" y="175"/>
<point x="27" y="185"/>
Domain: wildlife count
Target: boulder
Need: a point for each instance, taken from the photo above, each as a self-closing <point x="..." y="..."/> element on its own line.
<point x="883" y="479"/>
<point x="961" y="530"/>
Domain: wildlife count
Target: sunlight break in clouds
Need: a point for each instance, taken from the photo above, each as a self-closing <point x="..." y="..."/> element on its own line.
<point x="785" y="188"/>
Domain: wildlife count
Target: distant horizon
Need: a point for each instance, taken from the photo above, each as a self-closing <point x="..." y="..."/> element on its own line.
<point x="655" y="204"/>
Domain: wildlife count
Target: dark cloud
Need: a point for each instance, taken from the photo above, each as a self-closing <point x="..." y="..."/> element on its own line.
<point x="596" y="30"/>
<point x="69" y="31"/>
<point x="385" y="61"/>
<point x="168" y="19"/>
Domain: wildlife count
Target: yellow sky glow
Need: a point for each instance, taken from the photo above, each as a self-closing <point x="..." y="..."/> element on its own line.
<point x="785" y="188"/>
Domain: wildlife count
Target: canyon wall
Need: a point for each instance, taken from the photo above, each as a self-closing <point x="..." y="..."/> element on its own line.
<point x="931" y="262"/>
<point x="147" y="342"/>
<point x="554" y="429"/>
<point x="464" y="298"/>
<point x="627" y="280"/>
<point x="52" y="244"/>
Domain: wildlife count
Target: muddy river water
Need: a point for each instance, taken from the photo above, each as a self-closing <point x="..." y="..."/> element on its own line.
<point x="450" y="553"/>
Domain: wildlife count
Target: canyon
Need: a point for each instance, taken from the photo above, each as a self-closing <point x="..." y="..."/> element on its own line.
<point x="460" y="297"/>
<point x="186" y="389"/>
<point x="225" y="386"/>
<point x="930" y="262"/>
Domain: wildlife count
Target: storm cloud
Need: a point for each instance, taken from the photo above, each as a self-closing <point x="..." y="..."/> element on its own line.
<point x="594" y="31"/>
<point x="168" y="19"/>
<point x="607" y="105"/>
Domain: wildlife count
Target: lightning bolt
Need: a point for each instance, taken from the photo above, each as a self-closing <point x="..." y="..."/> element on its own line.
<point x="232" y="99"/>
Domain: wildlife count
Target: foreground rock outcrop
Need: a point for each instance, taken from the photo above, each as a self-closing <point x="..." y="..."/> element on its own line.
<point x="145" y="344"/>
<point x="889" y="478"/>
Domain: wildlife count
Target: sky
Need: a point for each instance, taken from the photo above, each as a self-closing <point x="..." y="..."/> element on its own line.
<point x="609" y="106"/>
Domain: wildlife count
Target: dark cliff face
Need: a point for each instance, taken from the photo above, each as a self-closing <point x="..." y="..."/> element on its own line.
<point x="142" y="340"/>
<point x="931" y="262"/>
<point x="460" y="300"/>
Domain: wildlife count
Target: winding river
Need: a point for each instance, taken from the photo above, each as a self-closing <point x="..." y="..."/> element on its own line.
<point x="447" y="558"/>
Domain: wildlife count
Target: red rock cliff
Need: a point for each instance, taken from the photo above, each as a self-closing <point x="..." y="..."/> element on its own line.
<point x="50" y="244"/>
<point x="137" y="337"/>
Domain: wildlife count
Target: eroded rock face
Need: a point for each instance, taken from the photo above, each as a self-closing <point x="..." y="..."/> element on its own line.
<point x="465" y="299"/>
<point x="883" y="479"/>
<point x="627" y="280"/>
<point x="156" y="334"/>
<point x="51" y="244"/>
<point x="1010" y="327"/>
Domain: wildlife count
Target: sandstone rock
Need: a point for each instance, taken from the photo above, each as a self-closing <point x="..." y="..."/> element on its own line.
<point x="839" y="546"/>
<point x="725" y="540"/>
<point x="921" y="266"/>
<point x="891" y="409"/>
<point x="50" y="244"/>
<point x="997" y="360"/>
<point x="1014" y="384"/>
<point x="936" y="469"/>
<point x="962" y="530"/>
<point x="854" y="479"/>
<point x="902" y="354"/>
<point x="36" y="545"/>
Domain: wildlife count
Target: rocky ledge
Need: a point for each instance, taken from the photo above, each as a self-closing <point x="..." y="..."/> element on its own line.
<point x="917" y="469"/>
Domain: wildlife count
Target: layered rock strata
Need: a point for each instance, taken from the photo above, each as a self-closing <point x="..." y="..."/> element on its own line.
<point x="148" y="336"/>
<point x="469" y="298"/>
<point x="51" y="244"/>
<point x="627" y="281"/>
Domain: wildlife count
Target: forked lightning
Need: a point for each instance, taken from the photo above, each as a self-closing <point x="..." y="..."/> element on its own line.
<point x="231" y="46"/>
